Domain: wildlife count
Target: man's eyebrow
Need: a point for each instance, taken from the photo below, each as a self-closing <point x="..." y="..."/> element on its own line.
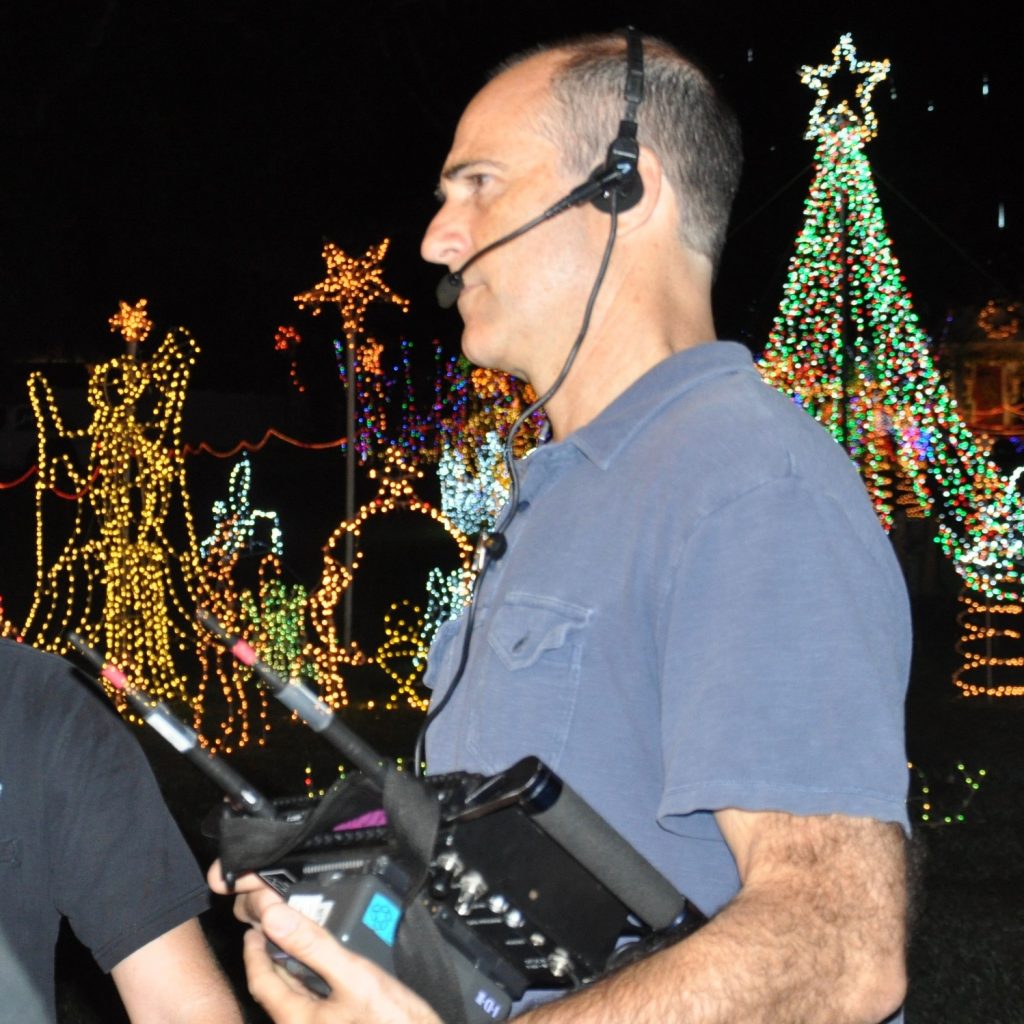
<point x="454" y="171"/>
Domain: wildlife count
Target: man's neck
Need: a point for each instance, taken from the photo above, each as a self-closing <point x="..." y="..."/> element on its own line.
<point x="608" y="365"/>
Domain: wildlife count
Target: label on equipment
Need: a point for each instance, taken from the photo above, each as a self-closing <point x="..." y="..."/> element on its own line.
<point x="314" y="906"/>
<point x="381" y="917"/>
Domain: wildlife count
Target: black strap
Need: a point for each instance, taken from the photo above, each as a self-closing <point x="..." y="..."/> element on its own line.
<point x="250" y="844"/>
<point x="423" y="960"/>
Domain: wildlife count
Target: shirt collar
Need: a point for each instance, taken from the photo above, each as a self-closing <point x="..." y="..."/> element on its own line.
<point x="607" y="434"/>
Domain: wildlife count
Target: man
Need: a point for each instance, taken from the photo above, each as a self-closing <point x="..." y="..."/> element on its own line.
<point x="84" y="834"/>
<point x="697" y="622"/>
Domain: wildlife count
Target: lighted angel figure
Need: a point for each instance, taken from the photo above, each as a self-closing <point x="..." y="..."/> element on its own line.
<point x="118" y="578"/>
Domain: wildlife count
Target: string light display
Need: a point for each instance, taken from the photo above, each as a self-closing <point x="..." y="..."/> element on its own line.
<point x="235" y="520"/>
<point x="990" y="646"/>
<point x="471" y="467"/>
<point x="472" y="496"/>
<point x="7" y="628"/>
<point x="287" y="340"/>
<point x="131" y="322"/>
<point x="1001" y="321"/>
<point x="947" y="802"/>
<point x="828" y="118"/>
<point x="236" y="712"/>
<point x="847" y="345"/>
<point x="275" y="620"/>
<point x="351" y="284"/>
<point x="118" y="579"/>
<point x="387" y="412"/>
<point x="270" y="618"/>
<point x="256" y="446"/>
<point x="403" y="638"/>
<point x="447" y="594"/>
<point x="403" y="655"/>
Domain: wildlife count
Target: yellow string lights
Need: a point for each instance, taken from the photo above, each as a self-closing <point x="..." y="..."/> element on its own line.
<point x="131" y="322"/>
<point x="990" y="645"/>
<point x="352" y="284"/>
<point x="404" y="632"/>
<point x="118" y="579"/>
<point x="1001" y="321"/>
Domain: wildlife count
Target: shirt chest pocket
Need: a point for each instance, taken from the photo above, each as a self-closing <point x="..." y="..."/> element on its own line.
<point x="529" y="691"/>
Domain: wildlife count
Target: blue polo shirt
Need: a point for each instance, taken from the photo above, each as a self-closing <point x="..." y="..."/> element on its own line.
<point x="697" y="609"/>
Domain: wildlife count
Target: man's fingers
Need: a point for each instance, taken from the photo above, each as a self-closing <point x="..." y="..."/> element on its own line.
<point x="253" y="895"/>
<point x="251" y="906"/>
<point x="249" y="882"/>
<point x="301" y="938"/>
<point x="361" y="991"/>
<point x="215" y="878"/>
<point x="282" y="996"/>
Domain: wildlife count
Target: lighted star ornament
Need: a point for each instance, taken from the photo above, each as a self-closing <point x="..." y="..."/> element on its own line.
<point x="132" y="322"/>
<point x="828" y="117"/>
<point x="352" y="284"/>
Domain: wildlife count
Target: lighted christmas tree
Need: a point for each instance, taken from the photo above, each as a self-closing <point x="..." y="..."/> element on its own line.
<point x="848" y="346"/>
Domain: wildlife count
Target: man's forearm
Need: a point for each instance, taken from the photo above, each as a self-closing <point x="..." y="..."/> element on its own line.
<point x="175" y="980"/>
<point x="819" y="950"/>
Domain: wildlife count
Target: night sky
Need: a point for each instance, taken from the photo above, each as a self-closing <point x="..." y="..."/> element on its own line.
<point x="200" y="154"/>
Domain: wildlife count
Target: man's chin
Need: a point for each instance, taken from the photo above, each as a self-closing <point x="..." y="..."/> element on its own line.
<point x="476" y="349"/>
<point x="489" y="350"/>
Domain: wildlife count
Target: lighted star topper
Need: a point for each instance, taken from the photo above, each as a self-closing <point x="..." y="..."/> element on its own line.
<point x="352" y="284"/>
<point x="132" y="322"/>
<point x="825" y="118"/>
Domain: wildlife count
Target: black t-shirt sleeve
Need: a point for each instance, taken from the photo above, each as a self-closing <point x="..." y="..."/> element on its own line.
<point x="121" y="871"/>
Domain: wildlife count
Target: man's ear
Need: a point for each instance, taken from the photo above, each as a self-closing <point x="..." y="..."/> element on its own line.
<point x="654" y="194"/>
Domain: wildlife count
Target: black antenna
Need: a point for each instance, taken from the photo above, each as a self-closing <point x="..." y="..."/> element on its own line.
<point x="298" y="697"/>
<point x="246" y="797"/>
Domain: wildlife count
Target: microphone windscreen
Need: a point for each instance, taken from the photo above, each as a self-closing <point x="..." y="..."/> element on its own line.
<point x="448" y="289"/>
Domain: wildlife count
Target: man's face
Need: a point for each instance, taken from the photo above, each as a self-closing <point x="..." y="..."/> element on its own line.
<point x="522" y="303"/>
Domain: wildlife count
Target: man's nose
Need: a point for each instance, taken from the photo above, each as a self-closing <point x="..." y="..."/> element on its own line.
<point x="446" y="240"/>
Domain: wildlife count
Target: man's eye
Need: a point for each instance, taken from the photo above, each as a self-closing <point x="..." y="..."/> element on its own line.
<point x="478" y="180"/>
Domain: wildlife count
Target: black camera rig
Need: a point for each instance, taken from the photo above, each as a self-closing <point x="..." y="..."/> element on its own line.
<point x="470" y="889"/>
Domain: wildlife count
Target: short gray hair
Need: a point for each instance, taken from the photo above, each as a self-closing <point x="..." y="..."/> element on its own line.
<point x="682" y="119"/>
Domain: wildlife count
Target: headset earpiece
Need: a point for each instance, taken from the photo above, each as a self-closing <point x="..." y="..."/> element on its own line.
<point x="623" y="179"/>
<point x="619" y="171"/>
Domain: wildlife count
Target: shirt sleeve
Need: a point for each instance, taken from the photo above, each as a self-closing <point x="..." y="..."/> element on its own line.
<point x="123" y="874"/>
<point x="785" y="663"/>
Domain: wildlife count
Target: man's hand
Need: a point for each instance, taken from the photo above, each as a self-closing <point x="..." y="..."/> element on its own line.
<point x="252" y="895"/>
<point x="361" y="993"/>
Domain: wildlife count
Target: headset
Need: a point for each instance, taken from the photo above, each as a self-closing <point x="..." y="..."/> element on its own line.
<point x="619" y="171"/>
<point x="612" y="187"/>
